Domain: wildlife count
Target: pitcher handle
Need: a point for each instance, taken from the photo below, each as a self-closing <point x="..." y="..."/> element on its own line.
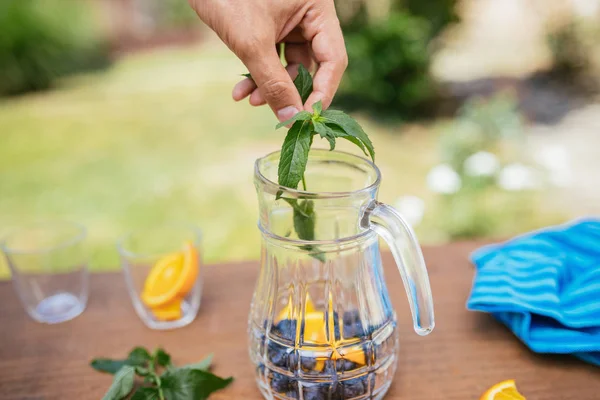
<point x="389" y="224"/>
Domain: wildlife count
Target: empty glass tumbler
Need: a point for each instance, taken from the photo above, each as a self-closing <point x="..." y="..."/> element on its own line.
<point x="162" y="269"/>
<point x="49" y="269"/>
<point x="321" y="323"/>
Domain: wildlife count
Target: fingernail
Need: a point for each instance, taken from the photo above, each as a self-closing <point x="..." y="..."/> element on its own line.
<point x="286" y="113"/>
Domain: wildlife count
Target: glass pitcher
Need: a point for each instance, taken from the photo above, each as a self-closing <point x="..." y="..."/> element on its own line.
<point x="321" y="323"/>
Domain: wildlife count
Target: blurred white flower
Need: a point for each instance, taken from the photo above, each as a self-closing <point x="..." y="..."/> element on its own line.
<point x="481" y="163"/>
<point x="443" y="179"/>
<point x="516" y="177"/>
<point x="412" y="208"/>
<point x="556" y="160"/>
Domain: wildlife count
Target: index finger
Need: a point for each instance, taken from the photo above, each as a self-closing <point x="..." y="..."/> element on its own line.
<point x="329" y="51"/>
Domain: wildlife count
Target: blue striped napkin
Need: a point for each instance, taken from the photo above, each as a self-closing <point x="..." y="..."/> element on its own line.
<point x="545" y="286"/>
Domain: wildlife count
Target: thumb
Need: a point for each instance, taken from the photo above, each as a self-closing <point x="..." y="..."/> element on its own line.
<point x="274" y="84"/>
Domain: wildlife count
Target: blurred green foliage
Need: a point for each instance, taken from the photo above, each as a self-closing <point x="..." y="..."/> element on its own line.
<point x="176" y="14"/>
<point x="42" y="40"/>
<point x="438" y="13"/>
<point x="494" y="125"/>
<point x="390" y="57"/>
<point x="575" y="51"/>
<point x="481" y="207"/>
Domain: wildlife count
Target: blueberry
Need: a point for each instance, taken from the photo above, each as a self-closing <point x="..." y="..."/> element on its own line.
<point x="277" y="356"/>
<point x="286" y="329"/>
<point x="337" y="393"/>
<point x="281" y="383"/>
<point x="314" y="396"/>
<point x="316" y="392"/>
<point x="355" y="387"/>
<point x="260" y="369"/>
<point x="342" y="365"/>
<point x="281" y="356"/>
<point x="308" y="363"/>
<point x="336" y="326"/>
<point x="352" y="325"/>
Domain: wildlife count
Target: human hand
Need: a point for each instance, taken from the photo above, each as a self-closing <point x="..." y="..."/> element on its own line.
<point x="252" y="29"/>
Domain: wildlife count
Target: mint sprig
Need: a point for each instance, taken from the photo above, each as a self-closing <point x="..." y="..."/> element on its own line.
<point x="329" y="125"/>
<point x="188" y="382"/>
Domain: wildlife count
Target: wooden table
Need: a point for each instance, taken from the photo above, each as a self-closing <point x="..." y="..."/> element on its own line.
<point x="466" y="353"/>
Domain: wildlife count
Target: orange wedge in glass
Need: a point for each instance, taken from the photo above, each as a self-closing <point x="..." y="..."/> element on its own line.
<point x="168" y="312"/>
<point x="505" y="390"/>
<point x="172" y="277"/>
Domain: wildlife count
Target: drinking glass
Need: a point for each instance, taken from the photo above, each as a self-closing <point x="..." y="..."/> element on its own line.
<point x="49" y="269"/>
<point x="153" y="260"/>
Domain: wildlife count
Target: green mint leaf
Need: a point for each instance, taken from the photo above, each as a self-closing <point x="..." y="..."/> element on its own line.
<point x="338" y="132"/>
<point x="146" y="393"/>
<point x="122" y="384"/>
<point x="141" y="371"/>
<point x="294" y="154"/>
<point x="318" y="108"/>
<point x="321" y="129"/>
<point x="191" y="384"/>
<point x="304" y="224"/>
<point x="107" y="365"/>
<point x="350" y="127"/>
<point x="325" y="132"/>
<point x="203" y="365"/>
<point x="138" y="356"/>
<point x="331" y="141"/>
<point x="312" y="251"/>
<point x="248" y="76"/>
<point x="304" y="220"/>
<point x="303" y="83"/>
<point x="301" y="116"/>
<point x="162" y="357"/>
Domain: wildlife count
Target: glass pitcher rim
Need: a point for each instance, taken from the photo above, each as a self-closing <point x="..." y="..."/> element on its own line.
<point x="297" y="193"/>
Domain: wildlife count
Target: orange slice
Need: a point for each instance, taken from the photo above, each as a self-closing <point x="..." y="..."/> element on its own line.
<point x="172" y="276"/>
<point x="168" y="312"/>
<point x="286" y="312"/>
<point x="505" y="390"/>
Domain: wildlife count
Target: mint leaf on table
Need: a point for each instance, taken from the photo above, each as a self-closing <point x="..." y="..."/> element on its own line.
<point x="139" y="356"/>
<point x="203" y="365"/>
<point x="191" y="381"/>
<point x="191" y="384"/>
<point x="122" y="384"/>
<point x="294" y="154"/>
<point x="162" y="358"/>
<point x="303" y="83"/>
<point x="107" y="365"/>
<point x="146" y="393"/>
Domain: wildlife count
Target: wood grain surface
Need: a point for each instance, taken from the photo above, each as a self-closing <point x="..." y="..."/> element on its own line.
<point x="466" y="353"/>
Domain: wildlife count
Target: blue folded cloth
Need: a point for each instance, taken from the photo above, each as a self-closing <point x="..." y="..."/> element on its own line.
<point x="545" y="286"/>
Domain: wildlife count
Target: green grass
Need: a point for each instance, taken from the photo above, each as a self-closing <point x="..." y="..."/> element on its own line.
<point x="155" y="139"/>
<point x="158" y="139"/>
